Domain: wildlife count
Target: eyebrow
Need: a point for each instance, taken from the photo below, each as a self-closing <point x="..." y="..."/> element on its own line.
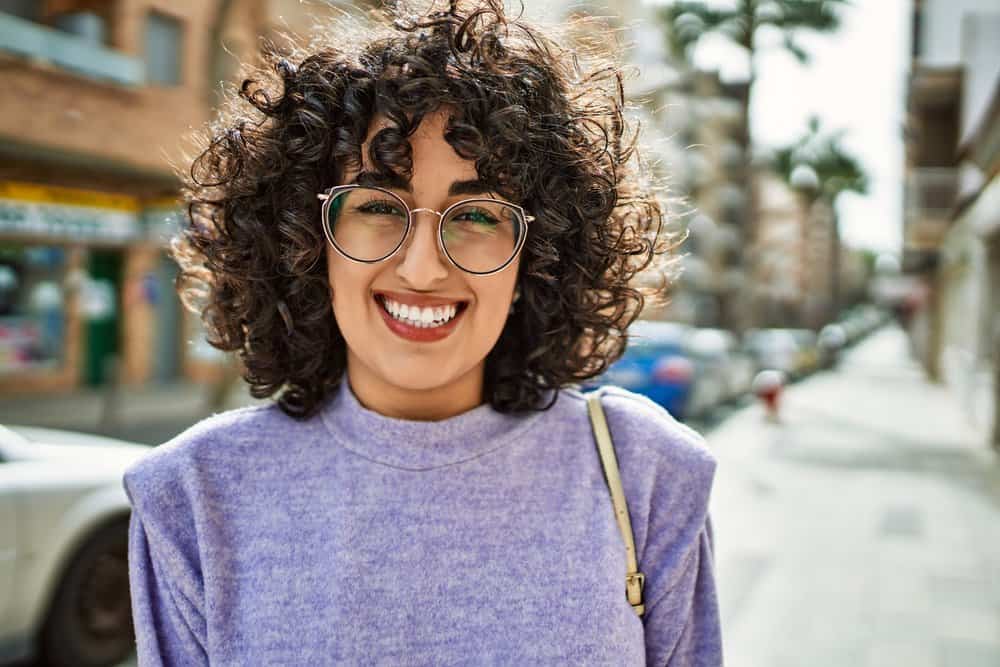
<point x="393" y="180"/>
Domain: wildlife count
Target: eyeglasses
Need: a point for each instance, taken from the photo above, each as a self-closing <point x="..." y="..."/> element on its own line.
<point x="370" y="224"/>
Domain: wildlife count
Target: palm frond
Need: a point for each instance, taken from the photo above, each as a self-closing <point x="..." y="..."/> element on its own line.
<point x="689" y="21"/>
<point x="818" y="15"/>
<point x="835" y="169"/>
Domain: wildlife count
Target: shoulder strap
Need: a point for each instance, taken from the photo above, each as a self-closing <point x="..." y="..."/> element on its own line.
<point x="634" y="580"/>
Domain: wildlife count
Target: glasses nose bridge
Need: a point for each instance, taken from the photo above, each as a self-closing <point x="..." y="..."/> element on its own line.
<point x="414" y="211"/>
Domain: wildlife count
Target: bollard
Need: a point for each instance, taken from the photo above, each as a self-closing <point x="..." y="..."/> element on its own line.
<point x="767" y="386"/>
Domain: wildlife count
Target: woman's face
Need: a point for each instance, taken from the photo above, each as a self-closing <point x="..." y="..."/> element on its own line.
<point x="419" y="371"/>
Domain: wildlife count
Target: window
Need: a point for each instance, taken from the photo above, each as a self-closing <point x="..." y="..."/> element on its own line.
<point x="163" y="49"/>
<point x="89" y="20"/>
<point x="33" y="322"/>
<point x="25" y="9"/>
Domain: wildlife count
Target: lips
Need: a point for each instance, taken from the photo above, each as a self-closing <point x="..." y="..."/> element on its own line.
<point x="419" y="318"/>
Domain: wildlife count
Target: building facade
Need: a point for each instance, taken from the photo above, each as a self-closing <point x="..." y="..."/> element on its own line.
<point x="99" y="98"/>
<point x="952" y="197"/>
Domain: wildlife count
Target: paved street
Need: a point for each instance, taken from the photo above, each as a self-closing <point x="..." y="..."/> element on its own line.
<point x="864" y="529"/>
<point x="149" y="415"/>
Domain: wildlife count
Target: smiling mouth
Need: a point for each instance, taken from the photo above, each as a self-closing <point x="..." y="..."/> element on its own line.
<point x="426" y="317"/>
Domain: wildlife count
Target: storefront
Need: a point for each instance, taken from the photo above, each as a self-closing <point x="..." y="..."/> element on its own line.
<point x="86" y="292"/>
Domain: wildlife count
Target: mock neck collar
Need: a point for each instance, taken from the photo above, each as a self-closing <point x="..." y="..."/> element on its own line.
<point x="418" y="445"/>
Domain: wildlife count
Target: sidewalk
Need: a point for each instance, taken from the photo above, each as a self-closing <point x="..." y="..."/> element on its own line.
<point x="862" y="530"/>
<point x="150" y="414"/>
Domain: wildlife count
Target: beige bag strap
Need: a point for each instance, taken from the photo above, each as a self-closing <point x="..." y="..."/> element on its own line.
<point x="634" y="580"/>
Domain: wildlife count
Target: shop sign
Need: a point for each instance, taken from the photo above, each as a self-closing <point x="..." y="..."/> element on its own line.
<point x="68" y="214"/>
<point x="162" y="219"/>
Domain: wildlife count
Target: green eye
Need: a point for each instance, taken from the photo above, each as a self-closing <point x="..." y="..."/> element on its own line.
<point x="380" y="208"/>
<point x="477" y="216"/>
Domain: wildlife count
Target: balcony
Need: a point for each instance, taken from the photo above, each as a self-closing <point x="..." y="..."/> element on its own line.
<point x="934" y="86"/>
<point x="929" y="199"/>
<point x="931" y="192"/>
<point x="37" y="42"/>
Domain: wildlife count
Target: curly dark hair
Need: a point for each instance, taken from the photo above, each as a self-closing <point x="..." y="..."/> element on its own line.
<point x="543" y="130"/>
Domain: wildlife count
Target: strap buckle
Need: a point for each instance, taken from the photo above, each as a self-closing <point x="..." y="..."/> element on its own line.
<point x="634" y="583"/>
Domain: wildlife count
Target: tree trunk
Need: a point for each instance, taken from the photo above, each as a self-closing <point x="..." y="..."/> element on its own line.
<point x="835" y="277"/>
<point x="749" y="223"/>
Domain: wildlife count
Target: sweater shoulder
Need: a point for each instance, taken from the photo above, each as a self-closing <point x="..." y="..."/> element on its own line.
<point x="211" y="446"/>
<point x="648" y="436"/>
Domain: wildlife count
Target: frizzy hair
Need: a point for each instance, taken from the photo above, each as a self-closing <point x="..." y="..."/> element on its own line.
<point x="542" y="130"/>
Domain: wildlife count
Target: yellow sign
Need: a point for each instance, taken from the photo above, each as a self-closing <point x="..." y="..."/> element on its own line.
<point x="52" y="194"/>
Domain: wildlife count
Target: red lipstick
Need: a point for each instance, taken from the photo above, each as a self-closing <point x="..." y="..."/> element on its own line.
<point x="421" y="334"/>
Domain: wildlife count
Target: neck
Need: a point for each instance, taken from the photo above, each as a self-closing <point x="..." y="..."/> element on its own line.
<point x="419" y="404"/>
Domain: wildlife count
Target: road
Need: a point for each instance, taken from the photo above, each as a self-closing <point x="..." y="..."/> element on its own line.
<point x="863" y="529"/>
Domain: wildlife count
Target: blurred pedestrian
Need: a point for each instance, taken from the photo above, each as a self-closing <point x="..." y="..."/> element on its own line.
<point x="419" y="238"/>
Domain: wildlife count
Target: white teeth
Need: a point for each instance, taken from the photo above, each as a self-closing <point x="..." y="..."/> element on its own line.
<point x="421" y="318"/>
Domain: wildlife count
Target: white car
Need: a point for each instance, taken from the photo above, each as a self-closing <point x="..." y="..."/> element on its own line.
<point x="63" y="547"/>
<point x="717" y="353"/>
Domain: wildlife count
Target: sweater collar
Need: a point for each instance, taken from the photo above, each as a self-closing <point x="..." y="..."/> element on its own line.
<point x="418" y="445"/>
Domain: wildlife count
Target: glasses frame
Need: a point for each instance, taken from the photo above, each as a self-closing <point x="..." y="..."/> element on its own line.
<point x="329" y="195"/>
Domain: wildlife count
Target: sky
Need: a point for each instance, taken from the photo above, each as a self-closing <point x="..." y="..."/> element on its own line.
<point x="855" y="82"/>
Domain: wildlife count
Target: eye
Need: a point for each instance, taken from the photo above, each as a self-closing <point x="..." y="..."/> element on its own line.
<point x="478" y="216"/>
<point x="381" y="207"/>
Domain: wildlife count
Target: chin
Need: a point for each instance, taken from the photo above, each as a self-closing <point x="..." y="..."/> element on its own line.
<point x="419" y="377"/>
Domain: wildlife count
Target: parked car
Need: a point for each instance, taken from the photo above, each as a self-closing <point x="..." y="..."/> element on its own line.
<point x="775" y="349"/>
<point x="723" y="370"/>
<point x="832" y="340"/>
<point x="655" y="365"/>
<point x="809" y="355"/>
<point x="861" y="320"/>
<point x="64" y="516"/>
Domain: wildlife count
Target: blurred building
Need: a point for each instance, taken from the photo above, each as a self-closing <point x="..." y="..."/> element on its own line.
<point x="706" y="170"/>
<point x="780" y="252"/>
<point x="97" y="98"/>
<point x="792" y="268"/>
<point x="690" y="124"/>
<point x="952" y="198"/>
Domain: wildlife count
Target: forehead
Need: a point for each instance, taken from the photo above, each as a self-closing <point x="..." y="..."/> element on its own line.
<point x="432" y="125"/>
<point x="428" y="147"/>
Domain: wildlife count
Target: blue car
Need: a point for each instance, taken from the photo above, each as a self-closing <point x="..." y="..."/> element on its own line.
<point x="655" y="365"/>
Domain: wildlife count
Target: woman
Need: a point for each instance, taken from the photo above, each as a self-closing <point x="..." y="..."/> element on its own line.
<point x="417" y="243"/>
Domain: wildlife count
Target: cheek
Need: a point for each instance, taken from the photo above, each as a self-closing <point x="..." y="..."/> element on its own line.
<point x="349" y="283"/>
<point x="494" y="298"/>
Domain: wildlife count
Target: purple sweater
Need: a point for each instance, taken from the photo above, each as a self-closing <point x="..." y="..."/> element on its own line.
<point x="354" y="538"/>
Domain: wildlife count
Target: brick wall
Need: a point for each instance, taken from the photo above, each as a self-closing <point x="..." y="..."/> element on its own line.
<point x="53" y="111"/>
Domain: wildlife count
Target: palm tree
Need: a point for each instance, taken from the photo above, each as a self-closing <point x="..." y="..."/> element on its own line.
<point x="819" y="167"/>
<point x="689" y="21"/>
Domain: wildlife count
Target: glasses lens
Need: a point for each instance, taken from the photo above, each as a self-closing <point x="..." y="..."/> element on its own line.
<point x="365" y="223"/>
<point x="481" y="235"/>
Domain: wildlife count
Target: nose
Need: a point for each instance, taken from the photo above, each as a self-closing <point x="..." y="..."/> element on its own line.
<point x="422" y="265"/>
